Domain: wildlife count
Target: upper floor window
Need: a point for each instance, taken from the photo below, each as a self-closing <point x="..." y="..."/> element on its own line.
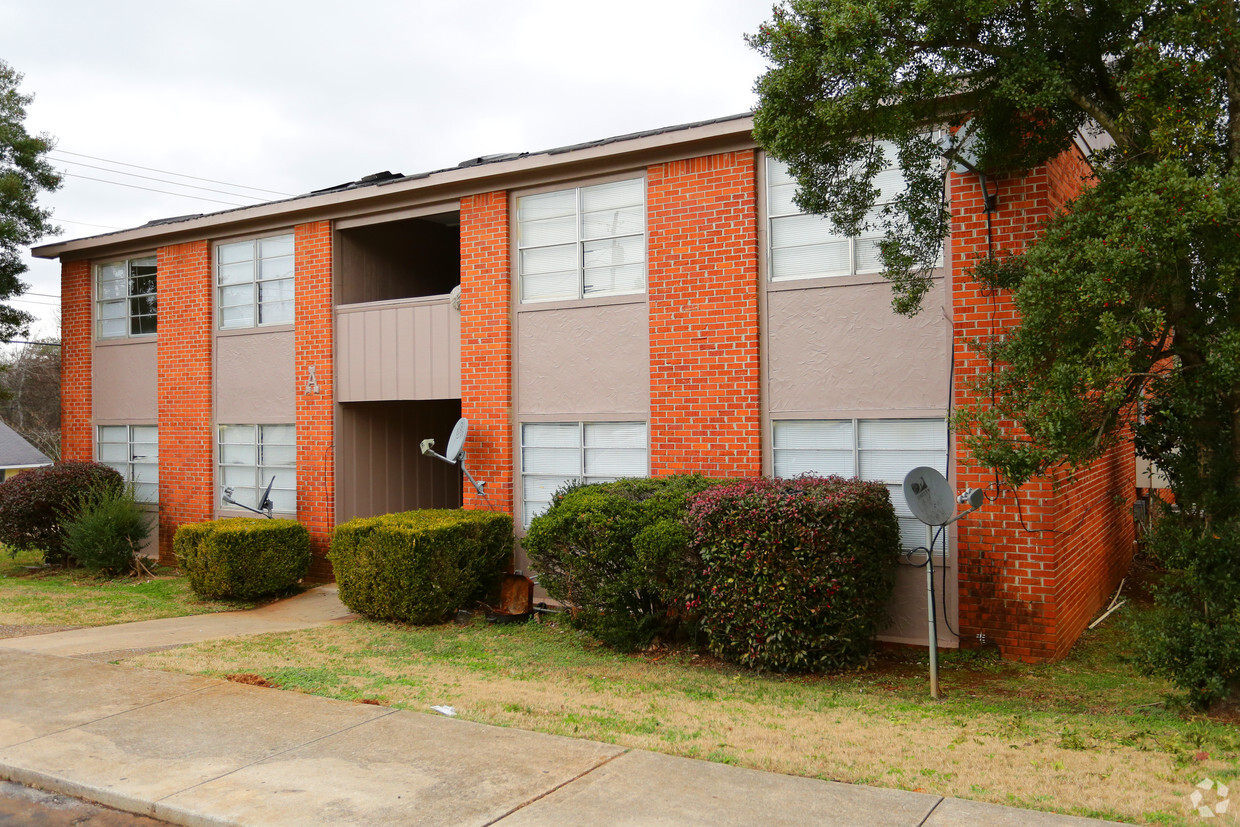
<point x="133" y="450"/>
<point x="125" y="298"/>
<point x="804" y="246"/>
<point x="255" y="282"/>
<point x="582" y="243"/>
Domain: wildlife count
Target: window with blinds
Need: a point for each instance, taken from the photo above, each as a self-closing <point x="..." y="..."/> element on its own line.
<point x="125" y="298"/>
<point x="879" y="450"/>
<point x="251" y="455"/>
<point x="133" y="450"/>
<point x="255" y="282"/>
<point x="803" y="246"/>
<point x="556" y="453"/>
<point x="582" y="243"/>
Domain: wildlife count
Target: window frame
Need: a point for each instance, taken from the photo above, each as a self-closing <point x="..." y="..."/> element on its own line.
<point x="128" y="471"/>
<point x="582" y="451"/>
<point x="128" y="299"/>
<point x="258" y="466"/>
<point x="255" y="281"/>
<point x="580" y="242"/>
<point x="903" y="514"/>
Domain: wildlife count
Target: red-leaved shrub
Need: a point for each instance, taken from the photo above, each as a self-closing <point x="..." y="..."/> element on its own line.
<point x="35" y="503"/>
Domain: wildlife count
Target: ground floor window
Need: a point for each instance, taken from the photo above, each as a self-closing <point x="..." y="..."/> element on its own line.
<point x="133" y="450"/>
<point x="251" y="456"/>
<point x="555" y="453"/>
<point x="880" y="450"/>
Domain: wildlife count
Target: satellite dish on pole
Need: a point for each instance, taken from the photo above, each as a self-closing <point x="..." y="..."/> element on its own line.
<point x="929" y="496"/>
<point x="456" y="440"/>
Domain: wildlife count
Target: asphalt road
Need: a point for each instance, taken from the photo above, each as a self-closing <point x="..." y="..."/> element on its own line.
<point x="27" y="806"/>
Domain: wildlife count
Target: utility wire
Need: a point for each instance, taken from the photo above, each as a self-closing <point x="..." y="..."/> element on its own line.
<point x="152" y="189"/>
<point x="161" y="180"/>
<point x="167" y="172"/>
<point x="85" y="223"/>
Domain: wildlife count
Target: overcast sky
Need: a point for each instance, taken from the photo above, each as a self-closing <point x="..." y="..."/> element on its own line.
<point x="296" y="96"/>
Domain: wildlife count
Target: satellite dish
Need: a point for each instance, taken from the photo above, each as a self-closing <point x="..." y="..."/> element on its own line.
<point x="929" y="496"/>
<point x="264" y="502"/>
<point x="456" y="441"/>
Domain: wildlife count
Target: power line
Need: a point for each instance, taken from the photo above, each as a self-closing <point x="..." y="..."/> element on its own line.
<point x="167" y="172"/>
<point x="160" y="180"/>
<point x="48" y="295"/>
<point x="86" y="223"/>
<point x="152" y="189"/>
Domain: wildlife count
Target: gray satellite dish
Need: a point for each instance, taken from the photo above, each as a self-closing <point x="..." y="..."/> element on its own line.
<point x="929" y="496"/>
<point x="456" y="440"/>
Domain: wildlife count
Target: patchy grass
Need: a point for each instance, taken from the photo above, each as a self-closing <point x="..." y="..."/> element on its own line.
<point x="1087" y="736"/>
<point x="35" y="599"/>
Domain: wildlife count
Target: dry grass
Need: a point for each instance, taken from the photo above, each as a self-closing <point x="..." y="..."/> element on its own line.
<point x="1087" y="736"/>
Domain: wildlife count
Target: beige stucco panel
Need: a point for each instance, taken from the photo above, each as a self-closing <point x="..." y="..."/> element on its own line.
<point x="124" y="385"/>
<point x="255" y="381"/>
<point x="842" y="348"/>
<point x="584" y="360"/>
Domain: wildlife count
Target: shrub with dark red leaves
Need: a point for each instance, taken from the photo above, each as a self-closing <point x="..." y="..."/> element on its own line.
<point x="35" y="503"/>
<point x="796" y="573"/>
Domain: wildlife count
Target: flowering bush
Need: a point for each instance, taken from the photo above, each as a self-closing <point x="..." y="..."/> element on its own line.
<point x="796" y="574"/>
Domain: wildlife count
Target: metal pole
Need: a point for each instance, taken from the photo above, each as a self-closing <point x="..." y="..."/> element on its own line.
<point x="934" y="626"/>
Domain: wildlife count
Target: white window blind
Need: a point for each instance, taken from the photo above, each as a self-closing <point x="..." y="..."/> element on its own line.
<point x="556" y="453"/>
<point x="255" y="282"/>
<point x="879" y="450"/>
<point x="803" y="246"/>
<point x="583" y="242"/>
<point x="133" y="450"/>
<point x="250" y="455"/>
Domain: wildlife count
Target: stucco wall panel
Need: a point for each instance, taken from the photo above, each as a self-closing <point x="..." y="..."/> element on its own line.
<point x="254" y="378"/>
<point x="572" y="361"/>
<point x="124" y="382"/>
<point x="842" y="348"/>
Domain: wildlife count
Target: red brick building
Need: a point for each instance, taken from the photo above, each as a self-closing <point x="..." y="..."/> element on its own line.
<point x="636" y="306"/>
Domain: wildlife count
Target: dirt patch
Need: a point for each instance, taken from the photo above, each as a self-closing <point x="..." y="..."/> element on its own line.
<point x="27" y="630"/>
<point x="250" y="679"/>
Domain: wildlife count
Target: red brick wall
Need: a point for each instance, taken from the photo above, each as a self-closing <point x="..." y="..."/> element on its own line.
<point x="486" y="348"/>
<point x="703" y="292"/>
<point x="1034" y="564"/>
<point x="186" y="441"/>
<point x="76" y="414"/>
<point x="316" y="490"/>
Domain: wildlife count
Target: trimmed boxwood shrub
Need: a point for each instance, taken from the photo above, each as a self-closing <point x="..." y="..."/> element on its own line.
<point x="34" y="503"/>
<point x="419" y="566"/>
<point x="242" y="557"/>
<point x="617" y="554"/>
<point x="796" y="573"/>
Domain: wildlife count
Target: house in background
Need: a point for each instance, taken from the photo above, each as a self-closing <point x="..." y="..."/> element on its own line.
<point x="641" y="305"/>
<point x="16" y="454"/>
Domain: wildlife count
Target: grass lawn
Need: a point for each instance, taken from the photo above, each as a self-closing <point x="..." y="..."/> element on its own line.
<point x="1088" y="735"/>
<point x="34" y="599"/>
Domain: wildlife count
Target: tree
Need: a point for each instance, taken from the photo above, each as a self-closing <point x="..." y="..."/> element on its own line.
<point x="1129" y="300"/>
<point x="30" y="394"/>
<point x="24" y="173"/>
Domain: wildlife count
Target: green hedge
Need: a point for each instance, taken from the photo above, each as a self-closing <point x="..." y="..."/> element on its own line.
<point x="796" y="573"/>
<point x="34" y="503"/>
<point x="419" y="566"/>
<point x="617" y="554"/>
<point x="242" y="557"/>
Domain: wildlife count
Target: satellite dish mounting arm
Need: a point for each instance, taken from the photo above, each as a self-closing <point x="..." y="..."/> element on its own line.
<point x="265" y="505"/>
<point x="456" y="453"/>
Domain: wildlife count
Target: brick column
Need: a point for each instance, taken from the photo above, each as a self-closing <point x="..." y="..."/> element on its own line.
<point x="705" y="412"/>
<point x="186" y="439"/>
<point x="486" y="347"/>
<point x="316" y="489"/>
<point x="76" y="413"/>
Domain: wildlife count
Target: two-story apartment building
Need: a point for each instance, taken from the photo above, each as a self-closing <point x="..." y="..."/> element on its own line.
<point x="642" y="305"/>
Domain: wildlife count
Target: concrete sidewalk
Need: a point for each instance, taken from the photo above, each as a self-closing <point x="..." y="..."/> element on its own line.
<point x="198" y="751"/>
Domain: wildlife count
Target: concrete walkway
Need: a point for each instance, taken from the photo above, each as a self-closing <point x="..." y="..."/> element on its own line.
<point x="198" y="751"/>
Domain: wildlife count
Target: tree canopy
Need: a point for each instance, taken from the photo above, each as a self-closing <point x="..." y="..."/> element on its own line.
<point x="1129" y="302"/>
<point x="24" y="173"/>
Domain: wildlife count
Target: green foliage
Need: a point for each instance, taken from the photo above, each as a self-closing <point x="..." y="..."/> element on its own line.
<point x="419" y="566"/>
<point x="618" y="553"/>
<point x="24" y="173"/>
<point x="1128" y="300"/>
<point x="242" y="557"/>
<point x="33" y="503"/>
<point x="105" y="529"/>
<point x="796" y="573"/>
<point x="1194" y="636"/>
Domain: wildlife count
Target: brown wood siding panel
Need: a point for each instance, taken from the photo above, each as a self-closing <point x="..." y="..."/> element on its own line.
<point x="399" y="351"/>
